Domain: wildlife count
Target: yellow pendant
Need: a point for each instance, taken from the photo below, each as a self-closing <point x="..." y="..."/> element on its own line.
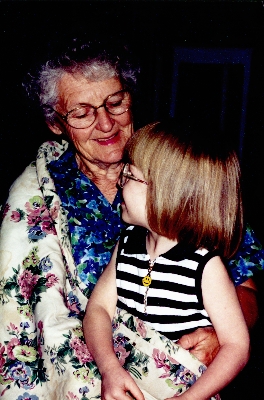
<point x="146" y="280"/>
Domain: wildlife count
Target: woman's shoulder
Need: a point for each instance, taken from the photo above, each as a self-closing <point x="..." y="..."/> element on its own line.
<point x="25" y="183"/>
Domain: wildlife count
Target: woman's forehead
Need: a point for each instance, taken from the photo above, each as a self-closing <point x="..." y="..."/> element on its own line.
<point x="76" y="89"/>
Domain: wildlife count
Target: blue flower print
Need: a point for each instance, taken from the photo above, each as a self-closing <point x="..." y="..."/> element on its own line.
<point x="243" y="267"/>
<point x="105" y="258"/>
<point x="24" y="325"/>
<point x="89" y="254"/>
<point x="249" y="258"/>
<point x="19" y="371"/>
<point x="84" y="390"/>
<point x="35" y="233"/>
<point x="44" y="180"/>
<point x="74" y="305"/>
<point x="27" y="396"/>
<point x="95" y="237"/>
<point x="248" y="238"/>
<point x="92" y="205"/>
<point x="45" y="264"/>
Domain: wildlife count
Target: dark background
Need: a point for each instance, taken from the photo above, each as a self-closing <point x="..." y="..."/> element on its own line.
<point x="28" y="30"/>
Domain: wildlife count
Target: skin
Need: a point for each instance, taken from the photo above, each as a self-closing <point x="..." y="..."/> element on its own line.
<point x="220" y="301"/>
<point x="99" y="148"/>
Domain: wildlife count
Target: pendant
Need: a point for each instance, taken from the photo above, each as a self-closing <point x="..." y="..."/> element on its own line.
<point x="146" y="280"/>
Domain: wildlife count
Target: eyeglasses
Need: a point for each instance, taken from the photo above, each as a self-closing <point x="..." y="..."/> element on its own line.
<point x="84" y="115"/>
<point x="126" y="174"/>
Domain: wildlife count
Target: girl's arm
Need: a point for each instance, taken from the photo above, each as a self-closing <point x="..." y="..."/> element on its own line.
<point x="203" y="342"/>
<point x="222" y="306"/>
<point x="97" y="325"/>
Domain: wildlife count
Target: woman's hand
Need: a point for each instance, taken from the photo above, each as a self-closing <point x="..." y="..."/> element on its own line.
<point x="202" y="343"/>
<point x="117" y="384"/>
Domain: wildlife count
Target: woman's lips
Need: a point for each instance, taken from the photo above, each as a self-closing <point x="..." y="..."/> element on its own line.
<point x="107" y="141"/>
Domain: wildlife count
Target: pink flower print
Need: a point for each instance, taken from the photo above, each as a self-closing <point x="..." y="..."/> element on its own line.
<point x="15" y="216"/>
<point x="40" y="338"/>
<point x="54" y="210"/>
<point x="44" y="220"/>
<point x="40" y="326"/>
<point x="51" y="280"/>
<point x="33" y="219"/>
<point x="12" y="327"/>
<point x="27" y="281"/>
<point x="71" y="396"/>
<point x="122" y="354"/>
<point x="75" y="343"/>
<point x="172" y="360"/>
<point x="159" y="357"/>
<point x="81" y="350"/>
<point x="2" y="360"/>
<point x="6" y="209"/>
<point x="2" y="350"/>
<point x="10" y="347"/>
<point x="48" y="226"/>
<point x="35" y="216"/>
<point x="160" y="361"/>
<point x="141" y="327"/>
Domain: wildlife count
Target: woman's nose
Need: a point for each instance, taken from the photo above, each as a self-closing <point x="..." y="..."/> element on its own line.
<point x="105" y="121"/>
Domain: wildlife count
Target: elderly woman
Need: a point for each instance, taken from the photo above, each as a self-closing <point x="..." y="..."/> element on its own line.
<point x="61" y="223"/>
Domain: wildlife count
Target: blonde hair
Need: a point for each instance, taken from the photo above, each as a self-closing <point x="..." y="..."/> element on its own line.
<point x="194" y="193"/>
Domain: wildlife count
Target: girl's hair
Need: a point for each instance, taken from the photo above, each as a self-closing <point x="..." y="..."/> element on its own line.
<point x="93" y="60"/>
<point x="194" y="193"/>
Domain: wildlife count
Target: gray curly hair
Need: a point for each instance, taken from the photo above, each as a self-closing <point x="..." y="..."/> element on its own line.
<point x="94" y="60"/>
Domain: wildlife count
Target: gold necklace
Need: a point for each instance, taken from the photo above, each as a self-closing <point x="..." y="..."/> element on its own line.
<point x="146" y="282"/>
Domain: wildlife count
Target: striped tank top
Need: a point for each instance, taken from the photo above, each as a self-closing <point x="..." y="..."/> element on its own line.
<point x="173" y="305"/>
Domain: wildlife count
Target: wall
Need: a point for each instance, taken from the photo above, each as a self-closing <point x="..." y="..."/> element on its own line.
<point x="153" y="29"/>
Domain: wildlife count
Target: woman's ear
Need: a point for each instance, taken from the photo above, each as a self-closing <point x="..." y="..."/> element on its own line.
<point x="55" y="128"/>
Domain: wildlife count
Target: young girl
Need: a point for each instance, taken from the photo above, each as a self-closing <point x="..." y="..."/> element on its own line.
<point x="182" y="202"/>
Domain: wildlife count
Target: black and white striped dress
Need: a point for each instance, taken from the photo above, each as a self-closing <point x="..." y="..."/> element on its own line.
<point x="174" y="298"/>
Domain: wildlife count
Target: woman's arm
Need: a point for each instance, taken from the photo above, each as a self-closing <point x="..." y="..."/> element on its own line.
<point x="97" y="325"/>
<point x="247" y="296"/>
<point x="222" y="305"/>
<point x="40" y="305"/>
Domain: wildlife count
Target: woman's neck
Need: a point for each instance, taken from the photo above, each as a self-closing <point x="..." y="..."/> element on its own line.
<point x="104" y="176"/>
<point x="157" y="244"/>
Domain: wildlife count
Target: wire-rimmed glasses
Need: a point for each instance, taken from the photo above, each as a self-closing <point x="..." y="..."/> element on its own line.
<point x="126" y="174"/>
<point x="83" y="115"/>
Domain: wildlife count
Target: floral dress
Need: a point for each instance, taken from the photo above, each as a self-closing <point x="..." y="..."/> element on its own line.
<point x="45" y="279"/>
